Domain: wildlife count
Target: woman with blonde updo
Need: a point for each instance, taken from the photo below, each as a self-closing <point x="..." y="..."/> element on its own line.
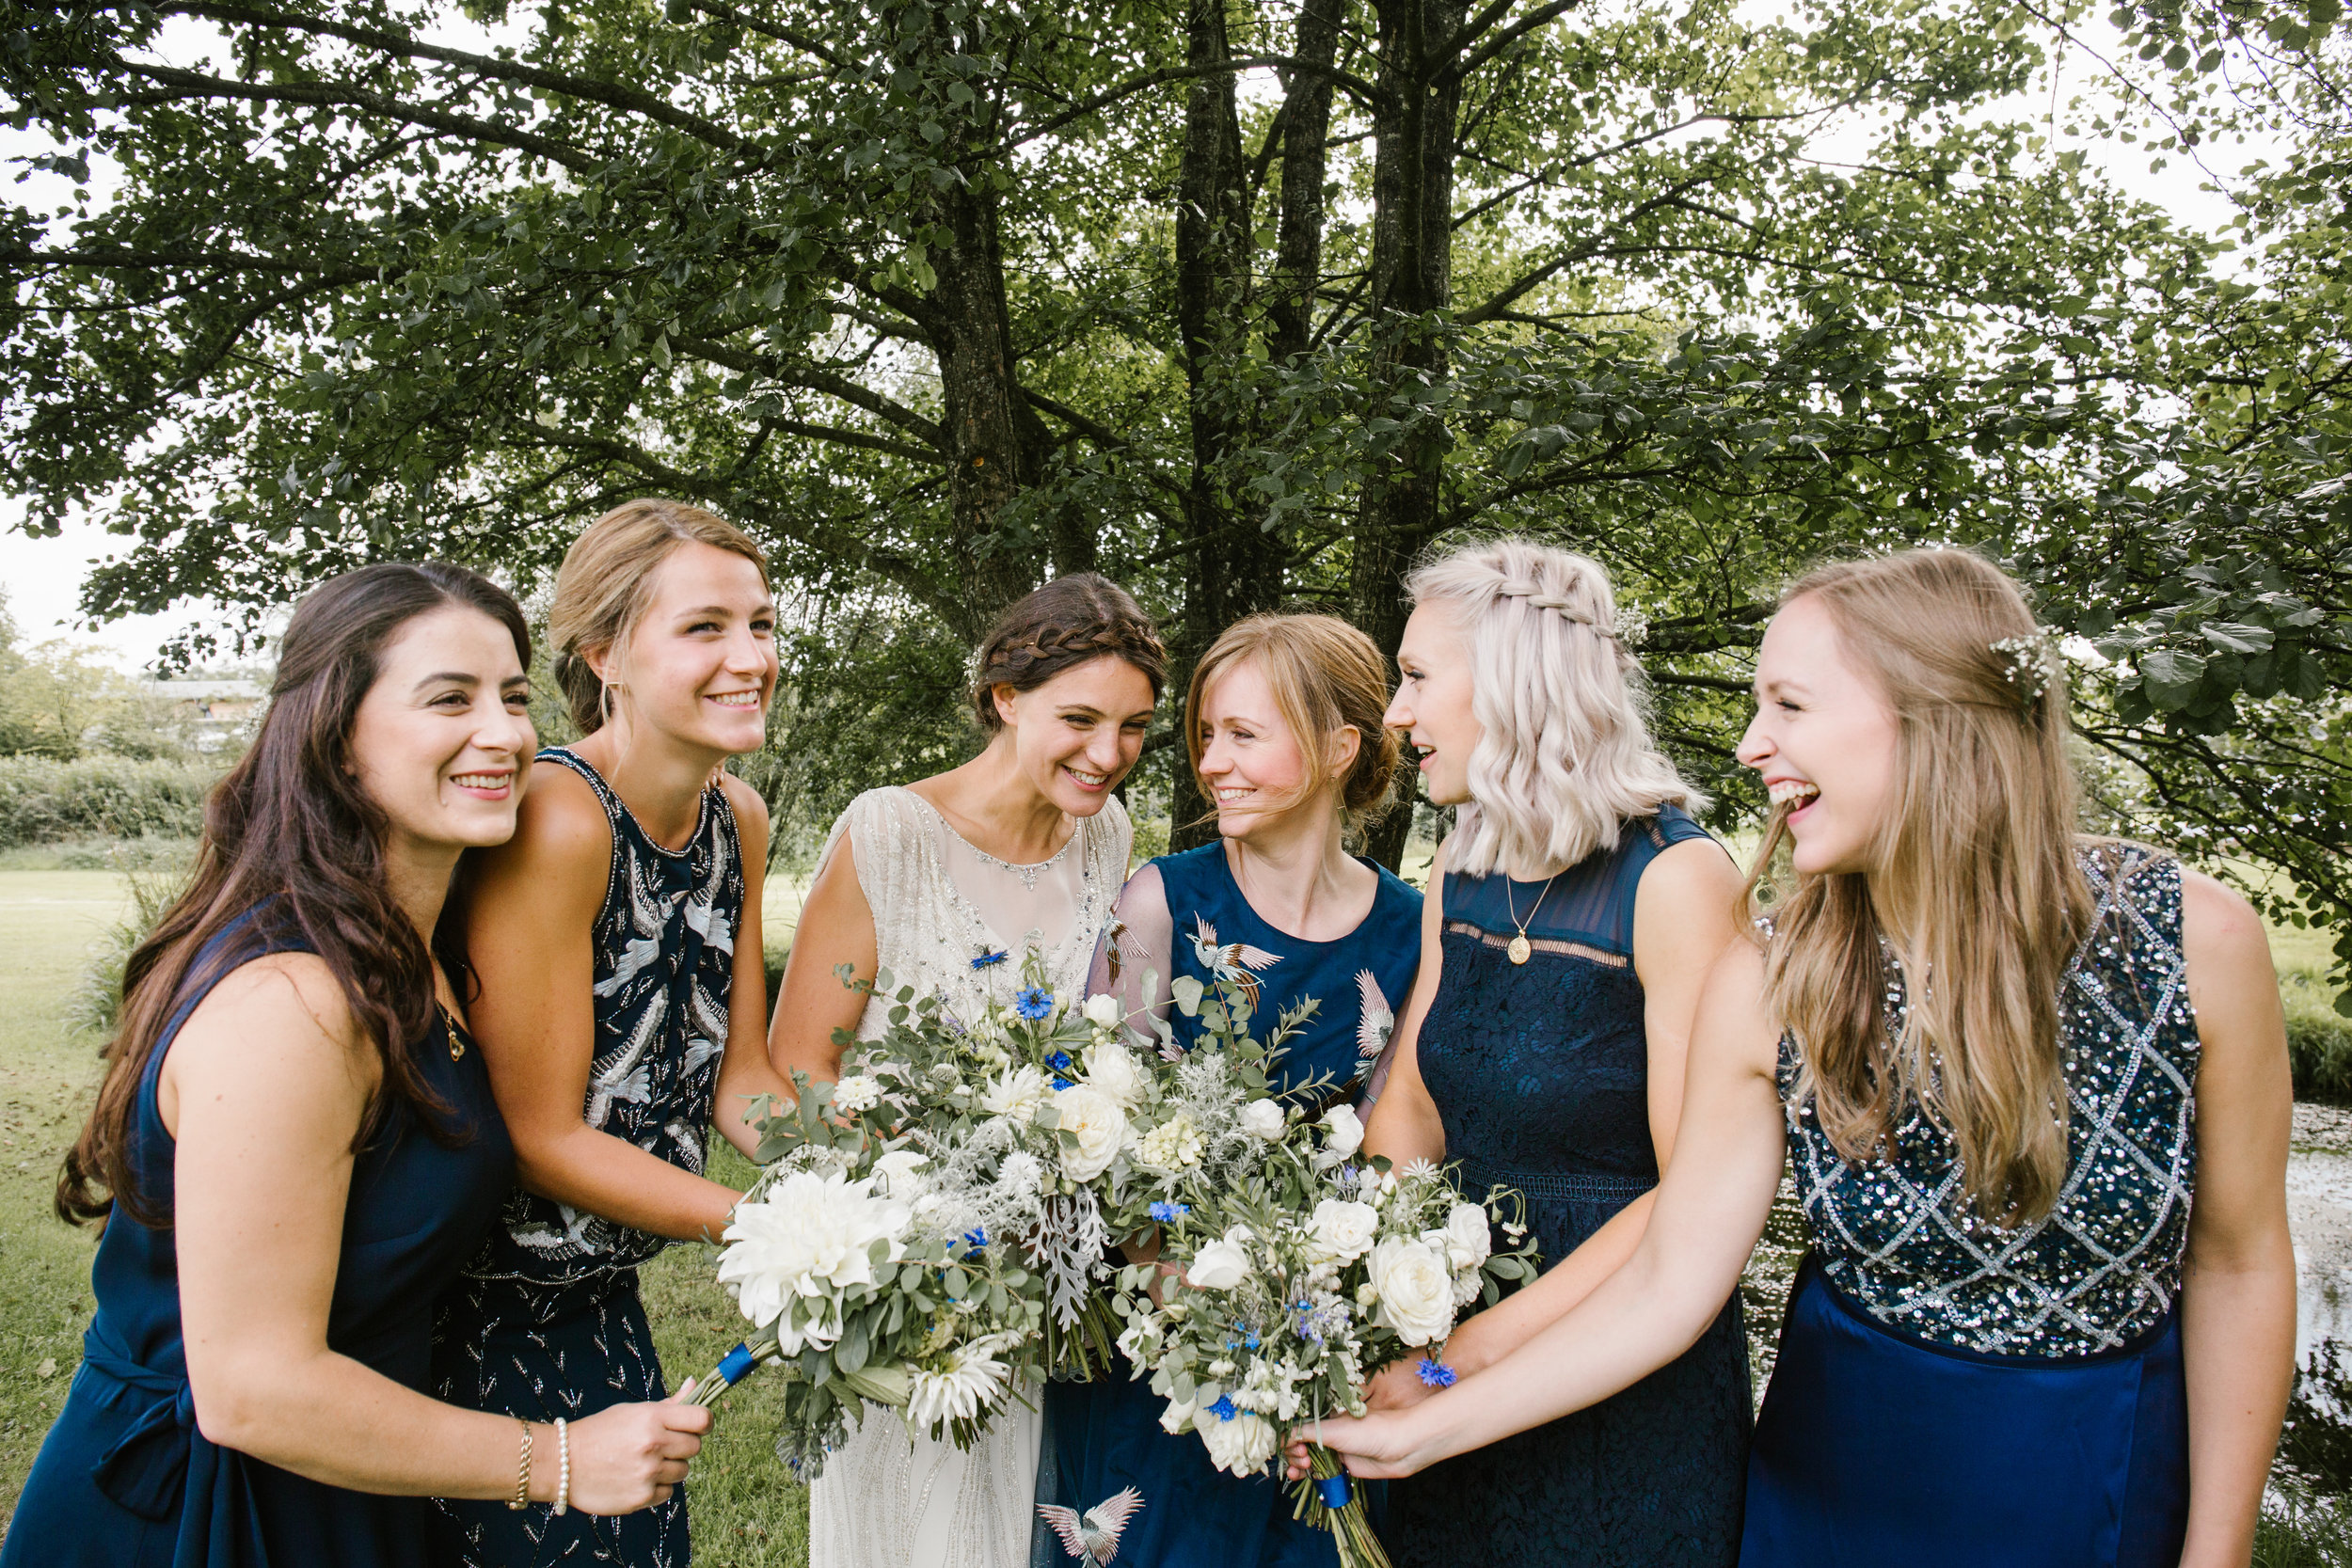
<point x="1282" y="726"/>
<point x="949" y="883"/>
<point x="1576" y="911"/>
<point x="2034" y="1090"/>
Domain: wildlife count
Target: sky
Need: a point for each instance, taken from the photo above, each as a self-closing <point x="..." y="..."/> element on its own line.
<point x="43" y="577"/>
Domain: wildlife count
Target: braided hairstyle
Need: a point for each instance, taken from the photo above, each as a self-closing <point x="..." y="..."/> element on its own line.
<point x="1069" y="621"/>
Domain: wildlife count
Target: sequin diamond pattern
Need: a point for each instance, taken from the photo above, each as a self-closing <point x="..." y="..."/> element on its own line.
<point x="2104" y="1266"/>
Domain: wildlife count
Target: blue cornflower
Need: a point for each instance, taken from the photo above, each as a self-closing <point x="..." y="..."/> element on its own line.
<point x="1058" y="1061"/>
<point x="976" y="1237"/>
<point x="987" y="961"/>
<point x="1224" y="1409"/>
<point x="1033" y="1002"/>
<point x="1437" y="1374"/>
<point x="1060" y="1084"/>
<point x="1165" y="1213"/>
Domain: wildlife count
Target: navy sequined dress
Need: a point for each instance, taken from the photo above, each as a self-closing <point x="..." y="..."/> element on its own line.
<point x="1540" y="1072"/>
<point x="1952" y="1393"/>
<point x="127" y="1478"/>
<point x="546" y="1321"/>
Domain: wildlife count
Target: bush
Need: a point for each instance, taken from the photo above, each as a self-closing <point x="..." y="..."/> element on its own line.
<point x="2319" y="1040"/>
<point x="96" y="1003"/>
<point x="43" y="800"/>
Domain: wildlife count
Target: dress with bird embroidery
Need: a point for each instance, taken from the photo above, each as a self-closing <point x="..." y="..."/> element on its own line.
<point x="1184" y="914"/>
<point x="954" y="921"/>
<point x="546" y="1321"/>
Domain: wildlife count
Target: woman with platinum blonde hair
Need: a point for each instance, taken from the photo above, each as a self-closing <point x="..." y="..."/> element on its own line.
<point x="1579" y="909"/>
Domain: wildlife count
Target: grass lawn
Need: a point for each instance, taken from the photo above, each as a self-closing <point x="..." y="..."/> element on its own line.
<point x="747" y="1511"/>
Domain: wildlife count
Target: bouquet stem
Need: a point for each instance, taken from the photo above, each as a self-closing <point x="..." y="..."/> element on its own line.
<point x="1328" y="1500"/>
<point x="734" y="1367"/>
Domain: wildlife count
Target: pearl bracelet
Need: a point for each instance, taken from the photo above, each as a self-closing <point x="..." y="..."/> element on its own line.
<point x="563" y="1467"/>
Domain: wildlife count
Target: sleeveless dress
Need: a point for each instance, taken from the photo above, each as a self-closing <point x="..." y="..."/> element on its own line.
<point x="944" y="913"/>
<point x="1540" y="1073"/>
<point x="1949" y="1393"/>
<point x="1106" y="1433"/>
<point x="546" y="1321"/>
<point x="125" y="1479"/>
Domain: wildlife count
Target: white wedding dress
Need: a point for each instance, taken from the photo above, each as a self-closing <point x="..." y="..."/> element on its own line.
<point x="939" y="904"/>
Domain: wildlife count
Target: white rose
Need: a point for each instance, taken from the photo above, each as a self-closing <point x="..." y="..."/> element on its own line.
<point x="1177" y="1419"/>
<point x="1468" y="1242"/>
<point x="1343" y="1231"/>
<point x="1416" y="1290"/>
<point x="898" y="1173"/>
<point x="1346" y="1132"/>
<point x="1014" y="1093"/>
<point x="1101" y="1128"/>
<point x="1112" y="1069"/>
<point x="1240" y="1446"/>
<point x="1103" y="1010"/>
<point x="1223" y="1263"/>
<point x="1262" y="1119"/>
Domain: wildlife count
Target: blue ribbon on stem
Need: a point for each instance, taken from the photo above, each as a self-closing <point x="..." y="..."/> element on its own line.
<point x="737" y="1365"/>
<point x="1333" y="1491"/>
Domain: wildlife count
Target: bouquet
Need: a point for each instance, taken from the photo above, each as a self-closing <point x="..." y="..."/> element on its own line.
<point x="1306" y="1276"/>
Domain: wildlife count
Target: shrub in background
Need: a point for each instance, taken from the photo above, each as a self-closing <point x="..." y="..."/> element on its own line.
<point x="2319" y="1038"/>
<point x="43" y="801"/>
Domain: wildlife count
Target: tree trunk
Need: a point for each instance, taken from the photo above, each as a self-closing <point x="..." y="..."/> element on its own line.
<point x="1412" y="253"/>
<point x="1306" y="126"/>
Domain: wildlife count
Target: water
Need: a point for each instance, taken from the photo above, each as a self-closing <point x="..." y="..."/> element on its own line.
<point x="2315" y="1453"/>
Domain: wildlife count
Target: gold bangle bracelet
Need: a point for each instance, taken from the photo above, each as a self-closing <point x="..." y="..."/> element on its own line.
<point x="523" y="1469"/>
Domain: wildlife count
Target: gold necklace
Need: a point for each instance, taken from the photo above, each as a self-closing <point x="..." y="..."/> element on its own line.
<point x="450" y="1028"/>
<point x="1520" y="949"/>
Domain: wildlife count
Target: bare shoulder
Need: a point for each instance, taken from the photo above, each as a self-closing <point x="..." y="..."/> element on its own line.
<point x="749" y="808"/>
<point x="278" y="1024"/>
<point x="562" y="841"/>
<point x="2231" y="983"/>
<point x="2217" y="922"/>
<point x="1694" y="868"/>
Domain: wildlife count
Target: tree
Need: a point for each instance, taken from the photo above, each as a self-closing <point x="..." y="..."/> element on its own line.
<point x="1247" y="303"/>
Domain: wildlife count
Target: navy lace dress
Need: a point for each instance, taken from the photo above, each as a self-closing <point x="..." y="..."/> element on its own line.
<point x="1104" y="1435"/>
<point x="546" y="1321"/>
<point x="126" y="1480"/>
<point x="1540" y="1072"/>
<point x="1950" y="1393"/>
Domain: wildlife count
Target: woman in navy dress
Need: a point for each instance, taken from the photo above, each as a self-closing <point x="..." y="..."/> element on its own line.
<point x="2036" y="1094"/>
<point x="1580" y="908"/>
<point x="294" y="1144"/>
<point x="622" y="1007"/>
<point x="1284" y="725"/>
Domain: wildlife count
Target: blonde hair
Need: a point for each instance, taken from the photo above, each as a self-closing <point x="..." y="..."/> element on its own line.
<point x="1325" y="676"/>
<point x="1977" y="890"/>
<point x="603" y="585"/>
<point x="1566" y="757"/>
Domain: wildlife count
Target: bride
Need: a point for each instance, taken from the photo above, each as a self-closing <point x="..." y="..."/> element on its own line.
<point x="946" y="885"/>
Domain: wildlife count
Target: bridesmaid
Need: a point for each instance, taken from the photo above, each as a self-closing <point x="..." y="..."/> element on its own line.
<point x="1580" y="908"/>
<point x="294" y="1144"/>
<point x="617" y="941"/>
<point x="1283" y="726"/>
<point x="2048" y="1320"/>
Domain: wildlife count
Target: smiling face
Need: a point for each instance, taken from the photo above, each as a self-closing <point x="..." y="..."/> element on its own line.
<point x="1075" y="737"/>
<point x="441" y="739"/>
<point x="1251" y="766"/>
<point x="700" y="665"/>
<point x="1825" y="740"/>
<point x="1433" y="702"/>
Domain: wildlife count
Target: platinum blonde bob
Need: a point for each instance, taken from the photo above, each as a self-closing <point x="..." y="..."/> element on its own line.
<point x="1566" y="759"/>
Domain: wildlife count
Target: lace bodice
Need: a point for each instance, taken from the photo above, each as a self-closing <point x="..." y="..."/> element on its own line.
<point x="2103" y="1267"/>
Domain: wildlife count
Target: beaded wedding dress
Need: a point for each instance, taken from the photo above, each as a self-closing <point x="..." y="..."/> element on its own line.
<point x="953" y="920"/>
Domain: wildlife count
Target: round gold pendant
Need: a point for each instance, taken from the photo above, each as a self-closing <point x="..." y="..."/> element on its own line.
<point x="1521" y="948"/>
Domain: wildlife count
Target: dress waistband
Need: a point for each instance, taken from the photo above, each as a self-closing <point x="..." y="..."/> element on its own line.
<point x="1572" y="1186"/>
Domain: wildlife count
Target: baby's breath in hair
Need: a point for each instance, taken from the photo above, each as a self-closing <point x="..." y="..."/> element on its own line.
<point x="2030" y="665"/>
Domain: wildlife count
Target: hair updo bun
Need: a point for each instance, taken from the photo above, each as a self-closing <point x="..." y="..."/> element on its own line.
<point x="1069" y="621"/>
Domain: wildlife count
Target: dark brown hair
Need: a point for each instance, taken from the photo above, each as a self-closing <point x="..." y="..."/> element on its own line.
<point x="292" y="839"/>
<point x="601" y="588"/>
<point x="1059" y="627"/>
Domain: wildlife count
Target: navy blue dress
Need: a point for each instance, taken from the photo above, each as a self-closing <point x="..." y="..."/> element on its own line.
<point x="1949" y="1393"/>
<point x="1540" y="1072"/>
<point x="125" y="1479"/>
<point x="546" y="1321"/>
<point x="1104" y="1436"/>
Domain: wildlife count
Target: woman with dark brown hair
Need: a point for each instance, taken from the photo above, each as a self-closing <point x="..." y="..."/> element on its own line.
<point x="294" y="1143"/>
<point x="947" y="884"/>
